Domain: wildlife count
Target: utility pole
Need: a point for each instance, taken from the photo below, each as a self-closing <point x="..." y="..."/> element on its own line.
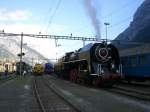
<point x="21" y="43"/>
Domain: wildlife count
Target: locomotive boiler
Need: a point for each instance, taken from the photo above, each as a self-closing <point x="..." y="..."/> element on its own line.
<point x="96" y="64"/>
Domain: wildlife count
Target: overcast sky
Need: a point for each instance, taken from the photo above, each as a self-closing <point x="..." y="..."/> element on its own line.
<point x="63" y="17"/>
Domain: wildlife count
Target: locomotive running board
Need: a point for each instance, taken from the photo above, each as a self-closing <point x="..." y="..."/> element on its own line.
<point x="99" y="69"/>
<point x="75" y="61"/>
<point x="120" y="69"/>
<point x="94" y="74"/>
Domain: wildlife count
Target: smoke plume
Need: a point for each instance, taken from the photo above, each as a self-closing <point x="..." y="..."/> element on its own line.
<point x="91" y="11"/>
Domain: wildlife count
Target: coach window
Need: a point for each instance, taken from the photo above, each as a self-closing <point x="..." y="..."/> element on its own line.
<point x="143" y="59"/>
<point x="125" y="61"/>
<point x="133" y="61"/>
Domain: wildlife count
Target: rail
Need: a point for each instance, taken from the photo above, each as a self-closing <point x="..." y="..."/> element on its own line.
<point x="38" y="97"/>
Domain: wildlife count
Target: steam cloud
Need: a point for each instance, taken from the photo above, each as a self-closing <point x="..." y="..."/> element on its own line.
<point x="93" y="16"/>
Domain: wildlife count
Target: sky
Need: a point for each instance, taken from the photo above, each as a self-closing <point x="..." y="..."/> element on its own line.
<point x="65" y="17"/>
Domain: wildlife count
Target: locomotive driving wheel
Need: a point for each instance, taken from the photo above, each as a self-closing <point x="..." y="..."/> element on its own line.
<point x="96" y="81"/>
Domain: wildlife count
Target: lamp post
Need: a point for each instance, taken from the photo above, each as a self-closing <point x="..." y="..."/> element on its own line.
<point x="106" y="24"/>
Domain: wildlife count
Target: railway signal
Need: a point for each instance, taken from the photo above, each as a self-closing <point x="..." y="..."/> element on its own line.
<point x="21" y="54"/>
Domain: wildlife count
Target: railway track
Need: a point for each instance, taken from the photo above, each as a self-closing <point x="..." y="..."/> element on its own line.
<point x="137" y="84"/>
<point x="48" y="100"/>
<point x="138" y="92"/>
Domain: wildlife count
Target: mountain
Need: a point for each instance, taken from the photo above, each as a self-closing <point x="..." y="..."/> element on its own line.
<point x="139" y="29"/>
<point x="10" y="48"/>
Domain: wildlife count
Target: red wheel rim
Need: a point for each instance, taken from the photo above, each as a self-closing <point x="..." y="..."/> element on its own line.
<point x="96" y="82"/>
<point x="73" y="75"/>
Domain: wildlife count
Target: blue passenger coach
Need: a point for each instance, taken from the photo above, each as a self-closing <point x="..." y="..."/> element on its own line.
<point x="48" y="69"/>
<point x="136" y="63"/>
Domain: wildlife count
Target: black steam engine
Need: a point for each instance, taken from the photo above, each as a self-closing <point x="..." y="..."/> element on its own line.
<point x="96" y="64"/>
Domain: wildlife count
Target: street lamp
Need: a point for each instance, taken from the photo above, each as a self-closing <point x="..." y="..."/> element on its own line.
<point x="106" y="24"/>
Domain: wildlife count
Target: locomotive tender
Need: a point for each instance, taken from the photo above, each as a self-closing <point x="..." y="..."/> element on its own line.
<point x="96" y="64"/>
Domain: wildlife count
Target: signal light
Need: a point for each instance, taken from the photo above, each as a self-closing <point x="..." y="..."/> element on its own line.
<point x="21" y="54"/>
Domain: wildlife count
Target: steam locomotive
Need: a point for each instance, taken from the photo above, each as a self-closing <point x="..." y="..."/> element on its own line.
<point x="96" y="63"/>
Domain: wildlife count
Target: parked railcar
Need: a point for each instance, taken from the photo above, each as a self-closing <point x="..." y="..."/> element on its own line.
<point x="96" y="64"/>
<point x="21" y="67"/>
<point x="38" y="69"/>
<point x="48" y="68"/>
<point x="136" y="63"/>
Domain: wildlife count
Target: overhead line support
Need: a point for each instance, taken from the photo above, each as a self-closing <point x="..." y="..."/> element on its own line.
<point x="50" y="36"/>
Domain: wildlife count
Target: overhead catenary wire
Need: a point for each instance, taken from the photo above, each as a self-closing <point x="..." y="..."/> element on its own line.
<point x="120" y="9"/>
<point x="53" y="15"/>
<point x="47" y="16"/>
<point x="120" y="22"/>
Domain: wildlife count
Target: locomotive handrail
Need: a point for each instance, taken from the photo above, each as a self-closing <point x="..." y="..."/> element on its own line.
<point x="99" y="69"/>
<point x="120" y="69"/>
